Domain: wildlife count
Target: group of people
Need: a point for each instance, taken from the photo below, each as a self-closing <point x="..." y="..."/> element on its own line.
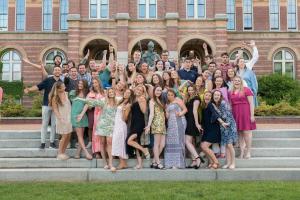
<point x="137" y="110"/>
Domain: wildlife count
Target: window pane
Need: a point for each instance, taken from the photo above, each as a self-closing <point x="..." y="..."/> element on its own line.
<point x="17" y="76"/>
<point x="16" y="56"/>
<point x="50" y="56"/>
<point x="248" y="21"/>
<point x="47" y="15"/>
<point x="16" y="67"/>
<point x="6" y="67"/>
<point x="289" y="69"/>
<point x="201" y="10"/>
<point x="104" y="11"/>
<point x="93" y="11"/>
<point x="288" y="56"/>
<point x="142" y="11"/>
<point x="5" y="57"/>
<point x="93" y="1"/>
<point x="64" y="10"/>
<point x="278" y="68"/>
<point x="152" y="11"/>
<point x="278" y="56"/>
<point x="104" y="1"/>
<point x="3" y="15"/>
<point x="190" y="10"/>
<point x="142" y="1"/>
<point x="6" y="76"/>
<point x="152" y="1"/>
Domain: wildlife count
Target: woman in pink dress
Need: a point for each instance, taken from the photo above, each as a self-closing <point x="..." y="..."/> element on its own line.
<point x="96" y="92"/>
<point x="242" y="103"/>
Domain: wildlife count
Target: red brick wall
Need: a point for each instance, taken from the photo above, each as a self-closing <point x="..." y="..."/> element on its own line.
<point x="11" y="18"/>
<point x="261" y="18"/>
<point x="283" y="18"/>
<point x="33" y="18"/>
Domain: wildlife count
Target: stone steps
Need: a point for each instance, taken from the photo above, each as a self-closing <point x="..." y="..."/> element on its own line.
<point x="34" y="134"/>
<point x="22" y="143"/>
<point x="265" y="162"/>
<point x="86" y="174"/>
<point x="276" y="142"/>
<point x="51" y="153"/>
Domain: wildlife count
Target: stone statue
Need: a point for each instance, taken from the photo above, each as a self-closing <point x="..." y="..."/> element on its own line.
<point x="149" y="56"/>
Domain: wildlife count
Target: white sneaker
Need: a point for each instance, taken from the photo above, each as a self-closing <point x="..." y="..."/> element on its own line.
<point x="89" y="145"/>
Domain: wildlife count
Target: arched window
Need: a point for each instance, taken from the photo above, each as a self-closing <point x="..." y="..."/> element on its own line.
<point x="11" y="66"/>
<point x="284" y="63"/>
<point x="48" y="59"/>
<point x="246" y="55"/>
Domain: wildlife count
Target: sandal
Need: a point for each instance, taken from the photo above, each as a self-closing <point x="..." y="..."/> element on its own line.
<point x="197" y="166"/>
<point x="159" y="166"/>
<point x="106" y="167"/>
<point x="192" y="166"/>
<point x="153" y="165"/>
<point x="137" y="167"/>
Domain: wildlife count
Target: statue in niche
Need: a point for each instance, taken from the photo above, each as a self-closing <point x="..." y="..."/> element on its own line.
<point x="149" y="56"/>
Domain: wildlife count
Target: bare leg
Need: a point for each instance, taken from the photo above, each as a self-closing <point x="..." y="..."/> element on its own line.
<point x="228" y="158"/>
<point x="108" y="149"/>
<point x="139" y="160"/>
<point x="131" y="142"/>
<point x="157" y="138"/>
<point x="66" y="141"/>
<point x="248" y="141"/>
<point x="80" y="133"/>
<point x="232" y="156"/>
<point x="241" y="144"/>
<point x="189" y="145"/>
<point x="102" y="149"/>
<point x="205" y="147"/>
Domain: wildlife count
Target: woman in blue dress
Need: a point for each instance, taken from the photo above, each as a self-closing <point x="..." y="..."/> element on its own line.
<point x="229" y="134"/>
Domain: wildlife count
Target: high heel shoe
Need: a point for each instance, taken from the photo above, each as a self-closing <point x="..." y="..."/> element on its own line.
<point x="147" y="155"/>
<point x="191" y="165"/>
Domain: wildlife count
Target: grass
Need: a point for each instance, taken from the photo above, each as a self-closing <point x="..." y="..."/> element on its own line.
<point x="151" y="190"/>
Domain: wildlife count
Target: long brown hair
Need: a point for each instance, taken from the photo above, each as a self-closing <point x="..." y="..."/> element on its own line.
<point x="131" y="98"/>
<point x="85" y="89"/>
<point x="100" y="86"/>
<point x="173" y="92"/>
<point x="212" y="98"/>
<point x="53" y="95"/>
<point x="158" y="100"/>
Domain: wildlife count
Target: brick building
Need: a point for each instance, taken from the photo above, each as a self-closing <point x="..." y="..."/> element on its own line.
<point x="39" y="29"/>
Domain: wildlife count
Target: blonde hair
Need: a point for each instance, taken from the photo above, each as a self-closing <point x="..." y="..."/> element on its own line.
<point x="241" y="89"/>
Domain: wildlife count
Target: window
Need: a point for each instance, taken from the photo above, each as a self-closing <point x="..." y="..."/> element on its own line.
<point x="48" y="59"/>
<point x="20" y="15"/>
<point x="247" y="14"/>
<point x="292" y="15"/>
<point x="147" y="9"/>
<point x="230" y="10"/>
<point x="98" y="9"/>
<point x="64" y="10"/>
<point x="47" y="15"/>
<point x="246" y="55"/>
<point x="284" y="63"/>
<point x="196" y="9"/>
<point x="274" y="14"/>
<point x="11" y="63"/>
<point x="3" y="15"/>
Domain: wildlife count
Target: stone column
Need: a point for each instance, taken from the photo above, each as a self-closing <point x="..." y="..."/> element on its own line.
<point x="74" y="31"/>
<point x="221" y="38"/>
<point x="122" y="37"/>
<point x="172" y="34"/>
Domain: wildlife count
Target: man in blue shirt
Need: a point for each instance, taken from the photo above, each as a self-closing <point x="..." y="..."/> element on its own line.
<point x="186" y="73"/>
<point x="47" y="112"/>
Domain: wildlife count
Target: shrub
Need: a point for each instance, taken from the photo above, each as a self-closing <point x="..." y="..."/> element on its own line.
<point x="10" y="108"/>
<point x="276" y="88"/>
<point x="280" y="109"/>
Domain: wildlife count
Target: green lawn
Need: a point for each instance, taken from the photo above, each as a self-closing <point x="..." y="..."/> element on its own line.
<point x="151" y="190"/>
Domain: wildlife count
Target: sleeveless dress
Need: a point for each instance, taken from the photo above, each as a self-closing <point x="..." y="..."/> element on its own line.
<point x="158" y="124"/>
<point x="137" y="126"/>
<point x="97" y="114"/>
<point x="64" y="126"/>
<point x="119" y="135"/>
<point x="175" y="142"/>
<point x="137" y="121"/>
<point x="191" y="128"/>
